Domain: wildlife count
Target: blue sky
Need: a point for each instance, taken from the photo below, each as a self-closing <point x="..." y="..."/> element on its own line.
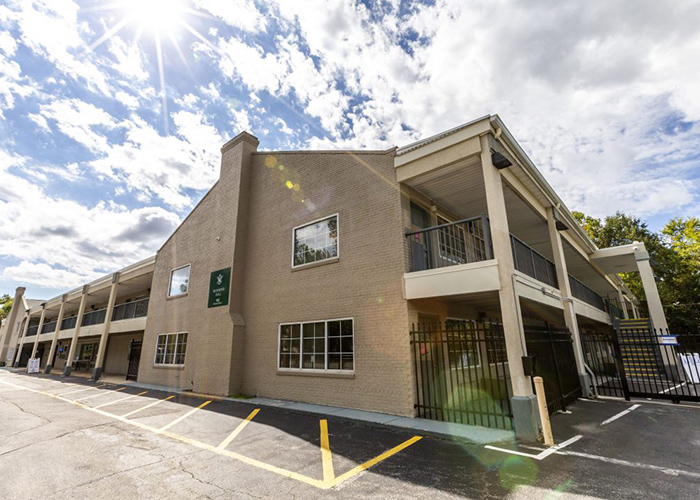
<point x="102" y="154"/>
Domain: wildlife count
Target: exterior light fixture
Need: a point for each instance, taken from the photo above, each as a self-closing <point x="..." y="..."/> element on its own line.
<point x="499" y="161"/>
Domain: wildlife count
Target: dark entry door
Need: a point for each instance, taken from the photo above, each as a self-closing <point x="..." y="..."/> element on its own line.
<point x="134" y="358"/>
<point x="419" y="242"/>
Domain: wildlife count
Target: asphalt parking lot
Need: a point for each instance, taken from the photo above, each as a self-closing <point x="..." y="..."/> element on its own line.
<point x="67" y="438"/>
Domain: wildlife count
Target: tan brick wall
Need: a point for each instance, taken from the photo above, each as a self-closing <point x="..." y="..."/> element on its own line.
<point x="205" y="240"/>
<point x="365" y="283"/>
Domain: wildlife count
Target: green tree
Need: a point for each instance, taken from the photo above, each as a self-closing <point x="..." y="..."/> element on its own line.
<point x="5" y="305"/>
<point x="675" y="255"/>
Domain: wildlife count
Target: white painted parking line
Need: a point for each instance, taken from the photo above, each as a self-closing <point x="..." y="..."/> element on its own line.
<point x="674" y="387"/>
<point x="620" y="415"/>
<point x="103" y="393"/>
<point x="617" y="461"/>
<point x="540" y="456"/>
<point x="147" y="406"/>
<point x="183" y="417"/>
<point x="122" y="399"/>
<point x="79" y="390"/>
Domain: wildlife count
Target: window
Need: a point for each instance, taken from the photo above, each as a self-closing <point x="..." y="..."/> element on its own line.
<point x="170" y="349"/>
<point x="179" y="281"/>
<point x="316" y="242"/>
<point x="317" y="345"/>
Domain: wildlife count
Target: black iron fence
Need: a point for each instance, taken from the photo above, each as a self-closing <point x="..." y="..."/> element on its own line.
<point x="69" y="323"/>
<point x="32" y="330"/>
<point x="461" y="373"/>
<point x="644" y="363"/>
<point x="555" y="362"/>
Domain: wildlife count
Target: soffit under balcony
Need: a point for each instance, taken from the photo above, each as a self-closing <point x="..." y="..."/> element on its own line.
<point x="583" y="270"/>
<point x="458" y="187"/>
<point x="526" y="224"/>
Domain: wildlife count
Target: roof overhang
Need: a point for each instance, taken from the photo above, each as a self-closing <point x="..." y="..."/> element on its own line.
<point x="621" y="259"/>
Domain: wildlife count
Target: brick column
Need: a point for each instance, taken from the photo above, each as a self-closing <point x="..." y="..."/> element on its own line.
<point x="99" y="363"/>
<point x="49" y="361"/>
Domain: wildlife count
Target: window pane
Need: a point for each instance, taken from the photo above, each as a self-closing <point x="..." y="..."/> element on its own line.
<point x="347" y="361"/>
<point x="170" y="349"/>
<point x="286" y="331"/>
<point x="316" y="242"/>
<point x="179" y="281"/>
<point x="334" y="361"/>
<point x="346" y="327"/>
<point x="334" y="328"/>
<point x="333" y="344"/>
<point x="347" y="344"/>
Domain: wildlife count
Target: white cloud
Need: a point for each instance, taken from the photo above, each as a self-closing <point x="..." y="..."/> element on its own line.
<point x="127" y="100"/>
<point x="40" y="121"/>
<point x="130" y="60"/>
<point x="51" y="29"/>
<point x="242" y="14"/>
<point x="80" y="121"/>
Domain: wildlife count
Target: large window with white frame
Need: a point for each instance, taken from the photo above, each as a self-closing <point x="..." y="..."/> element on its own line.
<point x="317" y="345"/>
<point x="171" y="349"/>
<point x="316" y="241"/>
<point x="179" y="281"/>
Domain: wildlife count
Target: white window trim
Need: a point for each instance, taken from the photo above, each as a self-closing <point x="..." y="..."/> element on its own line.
<point x="170" y="281"/>
<point x="301" y="347"/>
<point x="155" y="354"/>
<point x="478" y="342"/>
<point x="309" y="264"/>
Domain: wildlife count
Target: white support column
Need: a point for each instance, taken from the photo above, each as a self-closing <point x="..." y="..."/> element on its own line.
<point x="11" y="319"/>
<point x="74" y="342"/>
<point x="656" y="310"/>
<point x="623" y="303"/>
<point x="99" y="362"/>
<point x="20" y="341"/>
<point x="567" y="298"/>
<point x="49" y="361"/>
<point x="524" y="402"/>
<point x="38" y="330"/>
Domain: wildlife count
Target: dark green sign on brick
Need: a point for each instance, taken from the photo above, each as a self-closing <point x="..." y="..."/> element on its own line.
<point x="219" y="285"/>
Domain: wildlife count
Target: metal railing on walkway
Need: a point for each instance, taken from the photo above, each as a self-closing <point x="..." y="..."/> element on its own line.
<point x="129" y="310"/>
<point x="460" y="242"/>
<point x="532" y="263"/>
<point x="461" y="373"/>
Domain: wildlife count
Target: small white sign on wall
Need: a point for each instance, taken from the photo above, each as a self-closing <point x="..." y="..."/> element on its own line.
<point x="33" y="365"/>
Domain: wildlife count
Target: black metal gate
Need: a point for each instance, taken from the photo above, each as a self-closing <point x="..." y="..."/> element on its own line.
<point x="134" y="359"/>
<point x="461" y="373"/>
<point x="555" y="362"/>
<point x="644" y="363"/>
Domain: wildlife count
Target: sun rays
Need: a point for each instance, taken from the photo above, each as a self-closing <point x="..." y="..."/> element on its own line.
<point x="160" y="18"/>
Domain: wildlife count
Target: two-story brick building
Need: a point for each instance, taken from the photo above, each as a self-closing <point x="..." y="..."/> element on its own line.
<point x="363" y="279"/>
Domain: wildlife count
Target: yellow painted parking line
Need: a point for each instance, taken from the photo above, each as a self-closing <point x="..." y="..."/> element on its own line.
<point x="183" y="417"/>
<point x="237" y="430"/>
<point x="326" y="456"/>
<point x="321" y="484"/>
<point x="374" y="461"/>
<point x="122" y="399"/>
<point x="106" y="391"/>
<point x="147" y="406"/>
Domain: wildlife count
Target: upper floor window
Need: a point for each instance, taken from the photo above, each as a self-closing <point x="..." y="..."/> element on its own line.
<point x="179" y="281"/>
<point x="316" y="242"/>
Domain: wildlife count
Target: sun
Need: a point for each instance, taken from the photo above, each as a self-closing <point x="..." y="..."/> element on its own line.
<point x="159" y="18"/>
<point x="156" y="15"/>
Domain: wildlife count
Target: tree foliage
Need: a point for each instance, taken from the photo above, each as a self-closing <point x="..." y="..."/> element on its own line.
<point x="5" y="305"/>
<point x="675" y="256"/>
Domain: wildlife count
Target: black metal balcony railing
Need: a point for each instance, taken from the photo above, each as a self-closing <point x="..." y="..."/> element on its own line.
<point x="460" y="242"/>
<point x="129" y="310"/>
<point x="532" y="263"/>
<point x="32" y="330"/>
<point x="582" y="292"/>
<point x="69" y="323"/>
<point x="49" y="327"/>
<point x="96" y="317"/>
